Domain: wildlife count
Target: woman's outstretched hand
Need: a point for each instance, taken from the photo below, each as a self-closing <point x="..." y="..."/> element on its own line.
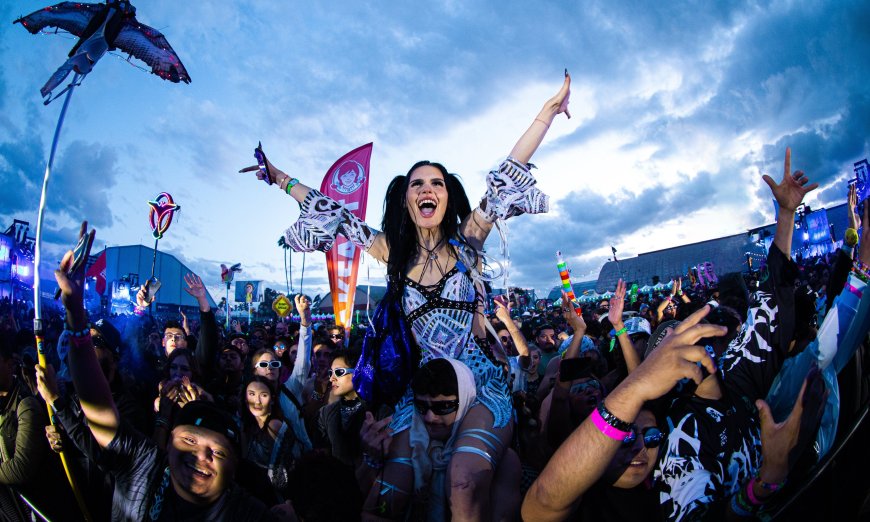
<point x="261" y="175"/>
<point x="559" y="103"/>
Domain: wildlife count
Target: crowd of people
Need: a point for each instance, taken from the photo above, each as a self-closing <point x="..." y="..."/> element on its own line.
<point x="673" y="406"/>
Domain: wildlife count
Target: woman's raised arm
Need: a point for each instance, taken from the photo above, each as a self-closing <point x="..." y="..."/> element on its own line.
<point x="534" y="135"/>
<point x="374" y="242"/>
<point x="513" y="178"/>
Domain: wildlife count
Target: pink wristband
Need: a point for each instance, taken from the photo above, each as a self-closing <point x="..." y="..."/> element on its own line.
<point x="750" y="493"/>
<point x="607" y="429"/>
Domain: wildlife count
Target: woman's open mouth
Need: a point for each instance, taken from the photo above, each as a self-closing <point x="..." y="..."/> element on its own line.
<point x="427" y="207"/>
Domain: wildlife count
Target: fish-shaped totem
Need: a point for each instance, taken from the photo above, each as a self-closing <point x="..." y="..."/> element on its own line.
<point x="101" y="28"/>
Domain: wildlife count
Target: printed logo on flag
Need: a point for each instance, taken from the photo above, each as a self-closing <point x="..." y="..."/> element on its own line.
<point x="348" y="177"/>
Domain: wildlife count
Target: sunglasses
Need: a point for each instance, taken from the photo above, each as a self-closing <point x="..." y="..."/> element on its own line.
<point x="339" y="372"/>
<point x="336" y="336"/>
<point x="268" y="364"/>
<point x="505" y="340"/>
<point x="652" y="437"/>
<point x="436" y="407"/>
<point x="279" y="347"/>
<point x="170" y="337"/>
<point x="580" y="386"/>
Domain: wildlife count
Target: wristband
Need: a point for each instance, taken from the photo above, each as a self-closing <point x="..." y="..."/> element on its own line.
<point x="542" y="121"/>
<point x="372" y="462"/>
<point x="612" y="419"/>
<point x="750" y="494"/>
<point x="607" y="429"/>
<point x="84" y="332"/>
<point x="773" y="487"/>
<point x="81" y="341"/>
<point x="739" y="506"/>
<point x="291" y="182"/>
<point x="616" y="333"/>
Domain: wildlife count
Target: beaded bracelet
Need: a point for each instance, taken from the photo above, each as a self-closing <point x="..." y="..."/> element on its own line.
<point x="81" y="341"/>
<point x="84" y="332"/>
<point x="612" y="419"/>
<point x="773" y="487"/>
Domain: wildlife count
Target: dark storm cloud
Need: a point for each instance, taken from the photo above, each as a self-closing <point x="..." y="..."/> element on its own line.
<point x="79" y="187"/>
<point x="588" y="221"/>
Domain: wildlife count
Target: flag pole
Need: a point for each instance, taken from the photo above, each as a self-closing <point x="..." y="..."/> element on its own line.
<point x="37" y="302"/>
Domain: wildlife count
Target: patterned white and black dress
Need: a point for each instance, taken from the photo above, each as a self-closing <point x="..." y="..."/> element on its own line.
<point x="441" y="315"/>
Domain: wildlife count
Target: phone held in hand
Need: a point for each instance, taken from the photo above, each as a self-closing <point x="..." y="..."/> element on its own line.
<point x="151" y="288"/>
<point x="573" y="369"/>
<point x="263" y="163"/>
<point x="78" y="257"/>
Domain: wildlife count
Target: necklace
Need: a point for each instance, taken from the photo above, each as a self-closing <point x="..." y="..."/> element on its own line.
<point x="432" y="252"/>
<point x="431" y="259"/>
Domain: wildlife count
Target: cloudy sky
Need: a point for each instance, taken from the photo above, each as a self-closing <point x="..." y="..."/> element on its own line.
<point x="677" y="111"/>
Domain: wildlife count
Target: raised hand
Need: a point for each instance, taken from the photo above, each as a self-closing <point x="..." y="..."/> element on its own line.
<point x="790" y="192"/>
<point x="676" y="358"/>
<point x="196" y="289"/>
<point x="276" y="173"/>
<point x="194" y="286"/>
<point x="574" y="320"/>
<point x="851" y="204"/>
<point x="502" y="309"/>
<point x="71" y="280"/>
<point x="617" y="303"/>
<point x="376" y="436"/>
<point x="144" y="297"/>
<point x="559" y="102"/>
<point x="303" y="306"/>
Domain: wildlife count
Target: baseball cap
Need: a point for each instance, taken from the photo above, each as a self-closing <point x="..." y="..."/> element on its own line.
<point x="205" y="414"/>
<point x="659" y="335"/>
<point x="637" y="325"/>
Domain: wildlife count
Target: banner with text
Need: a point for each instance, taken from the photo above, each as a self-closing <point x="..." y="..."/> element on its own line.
<point x="347" y="182"/>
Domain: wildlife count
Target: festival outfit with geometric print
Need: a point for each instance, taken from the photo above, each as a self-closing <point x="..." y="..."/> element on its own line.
<point x="441" y="315"/>
<point x="714" y="446"/>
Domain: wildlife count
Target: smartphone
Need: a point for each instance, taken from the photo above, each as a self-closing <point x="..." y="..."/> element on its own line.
<point x="78" y="257"/>
<point x="572" y="369"/>
<point x="151" y="288"/>
<point x="262" y="163"/>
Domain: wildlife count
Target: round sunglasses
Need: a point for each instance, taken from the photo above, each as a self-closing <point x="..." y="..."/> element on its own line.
<point x="268" y="364"/>
<point x="339" y="372"/>
<point x="436" y="407"/>
<point x="652" y="437"/>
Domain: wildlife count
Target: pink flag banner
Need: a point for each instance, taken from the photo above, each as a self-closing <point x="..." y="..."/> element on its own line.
<point x="347" y="182"/>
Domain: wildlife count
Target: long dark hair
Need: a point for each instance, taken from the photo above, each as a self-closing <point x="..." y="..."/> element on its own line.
<point x="249" y="423"/>
<point x="399" y="228"/>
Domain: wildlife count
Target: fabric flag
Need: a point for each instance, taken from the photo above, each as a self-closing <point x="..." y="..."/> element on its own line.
<point x="347" y="182"/>
<point x="98" y="270"/>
